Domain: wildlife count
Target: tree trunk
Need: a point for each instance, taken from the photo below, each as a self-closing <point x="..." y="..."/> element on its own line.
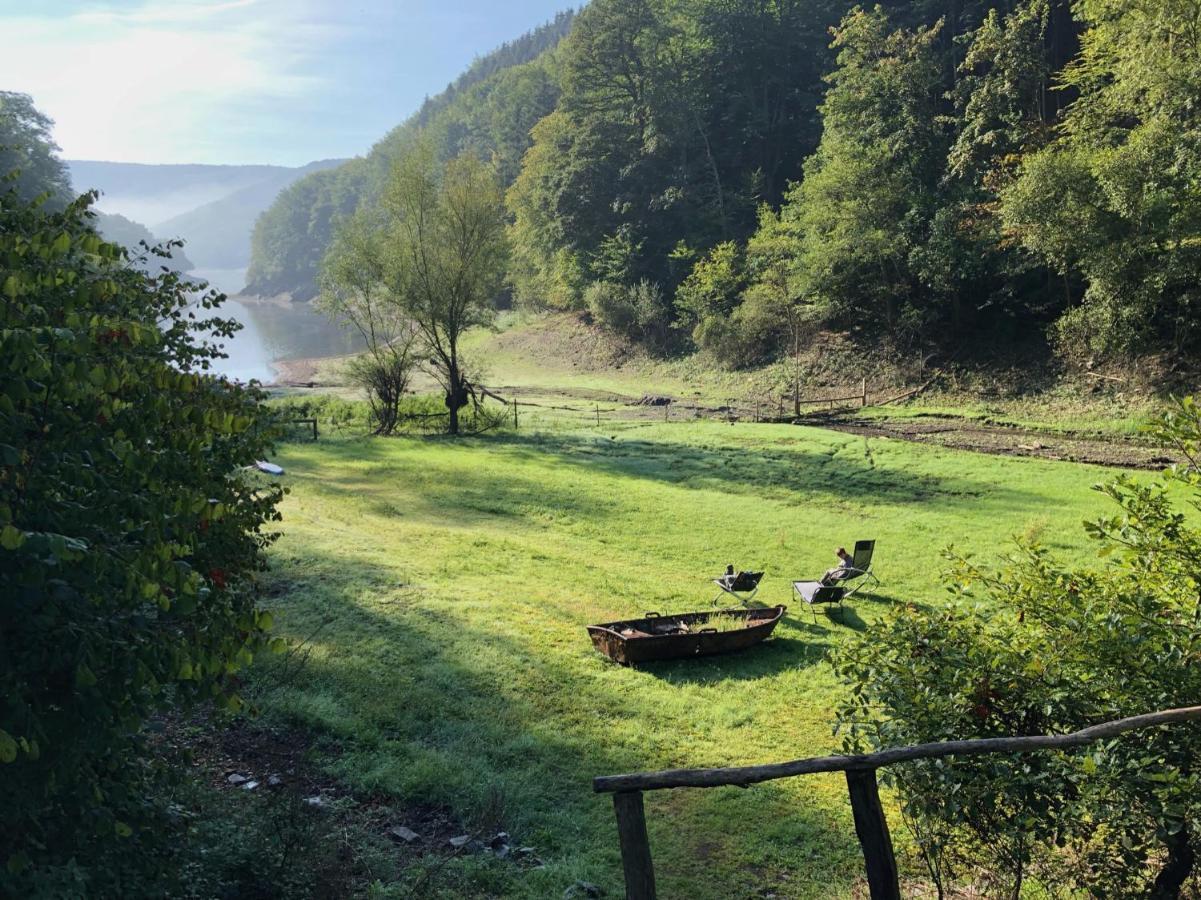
<point x="1179" y="866"/>
<point x="453" y="394"/>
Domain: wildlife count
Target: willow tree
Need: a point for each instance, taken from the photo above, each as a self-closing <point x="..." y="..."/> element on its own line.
<point x="446" y="229"/>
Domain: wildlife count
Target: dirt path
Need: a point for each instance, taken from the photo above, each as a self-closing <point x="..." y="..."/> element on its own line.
<point x="961" y="434"/>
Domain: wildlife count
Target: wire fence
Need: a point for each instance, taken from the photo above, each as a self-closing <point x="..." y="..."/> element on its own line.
<point x="492" y="410"/>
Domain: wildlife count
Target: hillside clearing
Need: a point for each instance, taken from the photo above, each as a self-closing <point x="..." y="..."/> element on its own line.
<point x="454" y="579"/>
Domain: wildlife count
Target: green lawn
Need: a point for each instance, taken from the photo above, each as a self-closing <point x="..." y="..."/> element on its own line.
<point x="457" y="577"/>
<point x="1052" y="413"/>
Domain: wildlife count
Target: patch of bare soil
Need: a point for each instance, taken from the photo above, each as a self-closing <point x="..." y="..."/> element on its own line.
<point x="961" y="434"/>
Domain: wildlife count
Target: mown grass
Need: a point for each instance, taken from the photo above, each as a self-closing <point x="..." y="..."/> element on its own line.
<point x="454" y="578"/>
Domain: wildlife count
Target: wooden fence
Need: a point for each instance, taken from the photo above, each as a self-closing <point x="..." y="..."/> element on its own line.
<point x="312" y="423"/>
<point x="871" y="825"/>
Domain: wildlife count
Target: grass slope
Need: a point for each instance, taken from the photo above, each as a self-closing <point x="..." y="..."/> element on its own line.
<point x="455" y="578"/>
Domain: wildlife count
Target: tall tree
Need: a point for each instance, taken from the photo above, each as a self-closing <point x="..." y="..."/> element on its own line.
<point x="1114" y="200"/>
<point x="27" y="148"/>
<point x="446" y="266"/>
<point x="1003" y="110"/>
<point x="870" y="190"/>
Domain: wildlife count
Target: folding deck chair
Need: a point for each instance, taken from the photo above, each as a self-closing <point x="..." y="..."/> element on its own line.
<point x="831" y="588"/>
<point x="742" y="587"/>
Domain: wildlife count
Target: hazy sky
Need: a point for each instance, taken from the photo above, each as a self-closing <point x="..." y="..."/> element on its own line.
<point x="242" y="81"/>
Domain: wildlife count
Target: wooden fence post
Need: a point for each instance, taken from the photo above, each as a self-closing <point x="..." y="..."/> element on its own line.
<point x="514" y="412"/>
<point x="872" y="828"/>
<point x="598" y="415"/>
<point x="864" y="403"/>
<point x="635" y="845"/>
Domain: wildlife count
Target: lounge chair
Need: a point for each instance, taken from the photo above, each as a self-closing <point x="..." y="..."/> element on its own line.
<point x="831" y="589"/>
<point x="742" y="587"/>
<point x="814" y="592"/>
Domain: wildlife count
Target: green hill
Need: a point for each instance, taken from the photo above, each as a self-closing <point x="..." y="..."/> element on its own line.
<point x="490" y="108"/>
<point x="218" y="233"/>
<point x="131" y="234"/>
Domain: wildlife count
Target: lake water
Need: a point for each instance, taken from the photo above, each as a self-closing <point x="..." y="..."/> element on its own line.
<point x="271" y="331"/>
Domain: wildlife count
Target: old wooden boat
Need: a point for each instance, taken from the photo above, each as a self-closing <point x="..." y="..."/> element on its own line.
<point x="655" y="637"/>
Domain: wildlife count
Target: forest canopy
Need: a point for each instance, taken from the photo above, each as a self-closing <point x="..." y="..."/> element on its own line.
<point x="936" y="173"/>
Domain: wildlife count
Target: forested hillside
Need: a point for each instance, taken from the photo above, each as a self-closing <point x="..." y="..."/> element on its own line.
<point x="489" y="109"/>
<point x="219" y="231"/>
<point x="118" y="229"/>
<point x="154" y="193"/>
<point x="736" y="175"/>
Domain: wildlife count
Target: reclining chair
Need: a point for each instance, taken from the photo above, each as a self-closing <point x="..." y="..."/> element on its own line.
<point x="831" y="588"/>
<point x="742" y="587"/>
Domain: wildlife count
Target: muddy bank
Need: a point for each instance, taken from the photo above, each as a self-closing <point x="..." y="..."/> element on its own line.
<point x="961" y="434"/>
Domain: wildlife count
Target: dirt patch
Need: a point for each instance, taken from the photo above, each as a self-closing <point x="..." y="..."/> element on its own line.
<point x="961" y="434"/>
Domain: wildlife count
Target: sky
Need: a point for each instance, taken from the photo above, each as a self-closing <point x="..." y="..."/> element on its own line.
<point x="243" y="81"/>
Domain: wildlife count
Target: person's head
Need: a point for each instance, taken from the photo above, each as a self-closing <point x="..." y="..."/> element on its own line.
<point x="842" y="553"/>
<point x="730" y="569"/>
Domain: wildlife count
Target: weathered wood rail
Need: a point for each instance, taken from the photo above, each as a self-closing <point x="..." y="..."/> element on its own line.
<point x="871" y="825"/>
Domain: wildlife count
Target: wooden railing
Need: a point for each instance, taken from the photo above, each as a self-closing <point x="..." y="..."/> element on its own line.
<point x="312" y="423"/>
<point x="871" y="825"/>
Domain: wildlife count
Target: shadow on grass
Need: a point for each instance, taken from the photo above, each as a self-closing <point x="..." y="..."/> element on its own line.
<point x="508" y="728"/>
<point x="773" y="656"/>
<point x="829" y="475"/>
<point x="835" y="471"/>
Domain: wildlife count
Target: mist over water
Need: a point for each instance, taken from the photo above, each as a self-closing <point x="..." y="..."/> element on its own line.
<point x="271" y="331"/>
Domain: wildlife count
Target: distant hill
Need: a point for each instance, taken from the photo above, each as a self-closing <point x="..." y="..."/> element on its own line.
<point x="213" y="208"/>
<point x="152" y="193"/>
<point x="128" y="233"/>
<point x="218" y="233"/>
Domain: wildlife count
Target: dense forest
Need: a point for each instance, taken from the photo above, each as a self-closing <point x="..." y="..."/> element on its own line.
<point x="738" y="174"/>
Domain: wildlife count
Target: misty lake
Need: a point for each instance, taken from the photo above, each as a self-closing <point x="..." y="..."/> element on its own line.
<point x="271" y="331"/>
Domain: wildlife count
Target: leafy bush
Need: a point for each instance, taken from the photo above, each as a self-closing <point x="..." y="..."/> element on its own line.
<point x="130" y="535"/>
<point x="332" y="413"/>
<point x="639" y="312"/>
<point x="611" y="306"/>
<point x="1053" y="650"/>
<point x="712" y="288"/>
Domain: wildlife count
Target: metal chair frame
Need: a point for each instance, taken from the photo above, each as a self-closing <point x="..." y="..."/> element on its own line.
<point x="859" y="570"/>
<point x="836" y="592"/>
<point x="742" y="596"/>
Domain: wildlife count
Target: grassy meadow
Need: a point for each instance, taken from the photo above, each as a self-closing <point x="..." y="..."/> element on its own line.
<point x="444" y="586"/>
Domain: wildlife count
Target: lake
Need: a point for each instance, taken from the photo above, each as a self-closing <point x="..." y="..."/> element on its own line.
<point x="271" y="331"/>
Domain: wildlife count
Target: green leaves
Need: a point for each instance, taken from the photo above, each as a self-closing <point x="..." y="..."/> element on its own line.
<point x="1046" y="648"/>
<point x="11" y="538"/>
<point x="8" y="747"/>
<point x="121" y="494"/>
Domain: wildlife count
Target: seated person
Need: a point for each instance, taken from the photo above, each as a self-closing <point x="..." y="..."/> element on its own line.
<point x="839" y="572"/>
<point x="728" y="578"/>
